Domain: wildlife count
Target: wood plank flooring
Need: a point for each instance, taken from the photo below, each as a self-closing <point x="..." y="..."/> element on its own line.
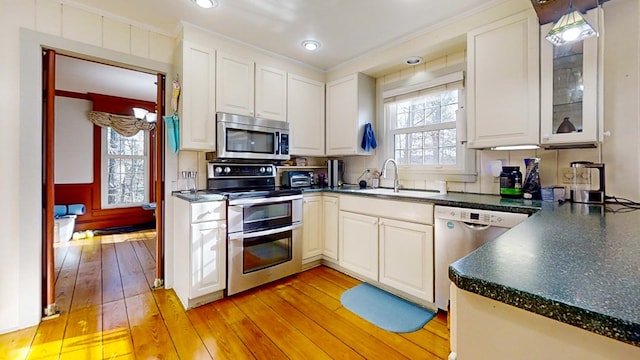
<point x="103" y="287"/>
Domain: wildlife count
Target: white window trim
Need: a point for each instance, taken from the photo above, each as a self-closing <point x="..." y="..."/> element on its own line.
<point x="465" y="170"/>
<point x="104" y="188"/>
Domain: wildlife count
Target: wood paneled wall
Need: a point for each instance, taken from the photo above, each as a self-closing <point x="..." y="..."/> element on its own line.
<point x="90" y="194"/>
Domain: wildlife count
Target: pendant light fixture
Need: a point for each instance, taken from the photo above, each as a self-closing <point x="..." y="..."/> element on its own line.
<point x="571" y="27"/>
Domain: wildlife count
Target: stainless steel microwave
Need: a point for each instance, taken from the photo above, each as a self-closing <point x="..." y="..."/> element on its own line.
<point x="243" y="137"/>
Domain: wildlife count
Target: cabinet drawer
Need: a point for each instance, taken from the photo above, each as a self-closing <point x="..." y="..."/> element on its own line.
<point x="392" y="209"/>
<point x="208" y="211"/>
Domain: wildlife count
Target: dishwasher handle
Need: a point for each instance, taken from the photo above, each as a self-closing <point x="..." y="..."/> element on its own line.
<point x="475" y="227"/>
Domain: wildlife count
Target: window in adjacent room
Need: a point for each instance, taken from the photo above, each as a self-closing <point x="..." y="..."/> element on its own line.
<point x="425" y="128"/>
<point x="125" y="164"/>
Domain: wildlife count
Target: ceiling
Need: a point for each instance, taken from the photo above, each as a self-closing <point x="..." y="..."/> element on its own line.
<point x="84" y="76"/>
<point x="346" y="29"/>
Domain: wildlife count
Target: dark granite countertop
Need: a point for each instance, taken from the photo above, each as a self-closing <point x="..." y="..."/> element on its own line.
<point x="574" y="263"/>
<point x="198" y="196"/>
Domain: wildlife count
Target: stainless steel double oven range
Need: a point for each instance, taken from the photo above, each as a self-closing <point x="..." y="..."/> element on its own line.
<point x="264" y="223"/>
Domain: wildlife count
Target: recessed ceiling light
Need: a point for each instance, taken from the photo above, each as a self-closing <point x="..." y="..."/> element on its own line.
<point x="207" y="4"/>
<point x="310" y="45"/>
<point x="413" y="60"/>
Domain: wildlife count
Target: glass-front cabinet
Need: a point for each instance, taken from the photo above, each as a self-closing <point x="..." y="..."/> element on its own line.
<point x="570" y="95"/>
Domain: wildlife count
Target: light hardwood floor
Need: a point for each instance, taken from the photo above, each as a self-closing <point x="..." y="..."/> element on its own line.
<point x="103" y="287"/>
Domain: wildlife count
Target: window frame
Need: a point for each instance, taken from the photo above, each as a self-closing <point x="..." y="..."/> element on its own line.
<point x="465" y="168"/>
<point x="104" y="178"/>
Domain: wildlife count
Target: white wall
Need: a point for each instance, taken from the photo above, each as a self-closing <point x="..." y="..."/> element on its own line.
<point x="20" y="138"/>
<point x="73" y="142"/>
<point x="620" y="151"/>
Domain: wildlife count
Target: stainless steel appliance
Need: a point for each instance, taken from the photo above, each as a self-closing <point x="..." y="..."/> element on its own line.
<point x="335" y="173"/>
<point x="587" y="182"/>
<point x="264" y="224"/>
<point x="297" y="179"/>
<point x="458" y="232"/>
<point x="247" y="138"/>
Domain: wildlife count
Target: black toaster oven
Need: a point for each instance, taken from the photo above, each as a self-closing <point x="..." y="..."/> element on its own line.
<point x="297" y="179"/>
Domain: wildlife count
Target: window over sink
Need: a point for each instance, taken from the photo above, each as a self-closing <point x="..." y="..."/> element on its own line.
<point x="425" y="128"/>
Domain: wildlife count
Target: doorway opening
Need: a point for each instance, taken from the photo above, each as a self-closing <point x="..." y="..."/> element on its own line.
<point x="103" y="168"/>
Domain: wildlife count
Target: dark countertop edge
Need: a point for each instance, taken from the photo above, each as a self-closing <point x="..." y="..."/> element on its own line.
<point x="200" y="196"/>
<point x="449" y="199"/>
<point x="597" y="323"/>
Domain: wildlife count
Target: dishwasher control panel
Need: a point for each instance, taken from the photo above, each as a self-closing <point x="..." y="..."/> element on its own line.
<point x="477" y="216"/>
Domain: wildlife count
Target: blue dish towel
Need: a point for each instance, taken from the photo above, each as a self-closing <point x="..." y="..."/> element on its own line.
<point x="369" y="138"/>
<point x="173" y="131"/>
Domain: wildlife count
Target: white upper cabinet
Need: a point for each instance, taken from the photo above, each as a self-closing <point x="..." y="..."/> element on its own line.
<point x="235" y="85"/>
<point x="196" y="66"/>
<point x="305" y="112"/>
<point x="250" y="89"/>
<point x="569" y="90"/>
<point x="271" y="93"/>
<point x="350" y="105"/>
<point x="503" y="82"/>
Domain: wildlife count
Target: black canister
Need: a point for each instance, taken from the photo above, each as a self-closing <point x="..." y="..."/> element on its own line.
<point x="511" y="182"/>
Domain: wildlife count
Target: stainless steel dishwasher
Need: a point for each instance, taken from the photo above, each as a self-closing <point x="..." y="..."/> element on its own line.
<point x="458" y="232"/>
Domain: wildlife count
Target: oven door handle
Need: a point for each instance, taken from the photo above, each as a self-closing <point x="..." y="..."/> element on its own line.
<point x="256" y="201"/>
<point x="241" y="236"/>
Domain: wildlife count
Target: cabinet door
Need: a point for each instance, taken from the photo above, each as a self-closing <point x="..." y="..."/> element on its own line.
<point x="305" y="113"/>
<point x="208" y="258"/>
<point x="330" y="209"/>
<point x="569" y="81"/>
<point x="197" y="98"/>
<point x="406" y="257"/>
<point x="235" y="85"/>
<point x="503" y="82"/>
<point x="350" y="105"/>
<point x="271" y="93"/>
<point x="311" y="226"/>
<point x="358" y="244"/>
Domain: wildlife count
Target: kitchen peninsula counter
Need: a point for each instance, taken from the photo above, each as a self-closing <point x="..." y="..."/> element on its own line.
<point x="574" y="263"/>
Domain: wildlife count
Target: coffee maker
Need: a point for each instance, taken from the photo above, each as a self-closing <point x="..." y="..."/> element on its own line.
<point x="587" y="183"/>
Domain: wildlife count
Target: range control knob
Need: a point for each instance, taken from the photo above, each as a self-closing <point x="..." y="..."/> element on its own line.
<point x="262" y="170"/>
<point x="227" y="170"/>
<point x="269" y="169"/>
<point x="218" y="170"/>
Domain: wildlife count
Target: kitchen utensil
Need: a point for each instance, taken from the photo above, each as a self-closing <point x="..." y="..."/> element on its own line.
<point x="587" y="182"/>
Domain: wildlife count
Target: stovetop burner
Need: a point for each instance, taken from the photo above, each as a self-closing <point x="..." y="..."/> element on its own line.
<point x="238" y="181"/>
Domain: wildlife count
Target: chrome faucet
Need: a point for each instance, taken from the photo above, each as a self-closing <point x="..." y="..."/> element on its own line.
<point x="395" y="173"/>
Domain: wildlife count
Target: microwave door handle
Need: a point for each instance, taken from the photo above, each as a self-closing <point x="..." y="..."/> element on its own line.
<point x="277" y="143"/>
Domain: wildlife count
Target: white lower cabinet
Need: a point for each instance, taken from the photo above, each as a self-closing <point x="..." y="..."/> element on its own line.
<point x="358" y="244"/>
<point x="200" y="251"/>
<point x="390" y="242"/>
<point x="406" y="257"/>
<point x="330" y="218"/>
<point x="311" y="226"/>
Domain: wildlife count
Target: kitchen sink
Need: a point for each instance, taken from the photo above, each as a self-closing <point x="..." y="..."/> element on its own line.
<point x="401" y="192"/>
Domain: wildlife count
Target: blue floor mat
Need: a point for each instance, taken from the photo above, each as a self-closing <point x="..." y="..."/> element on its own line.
<point x="385" y="310"/>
